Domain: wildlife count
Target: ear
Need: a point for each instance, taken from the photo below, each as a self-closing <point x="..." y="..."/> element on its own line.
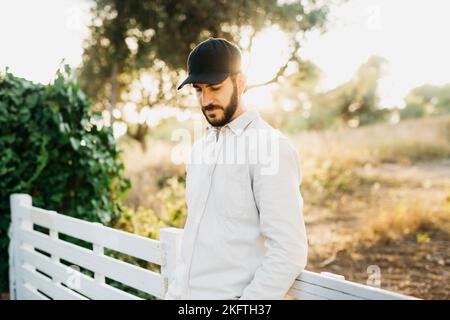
<point x="241" y="82"/>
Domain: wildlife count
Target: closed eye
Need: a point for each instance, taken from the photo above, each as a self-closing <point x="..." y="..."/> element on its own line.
<point x="197" y="89"/>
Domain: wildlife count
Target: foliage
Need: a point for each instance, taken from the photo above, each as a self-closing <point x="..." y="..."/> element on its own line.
<point x="172" y="196"/>
<point x="135" y="40"/>
<point x="352" y="104"/>
<point x="356" y="100"/>
<point x="330" y="180"/>
<point x="142" y="222"/>
<point x="173" y="211"/>
<point x="426" y="100"/>
<point x="52" y="151"/>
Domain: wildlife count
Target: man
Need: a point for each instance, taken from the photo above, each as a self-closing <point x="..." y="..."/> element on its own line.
<point x="245" y="236"/>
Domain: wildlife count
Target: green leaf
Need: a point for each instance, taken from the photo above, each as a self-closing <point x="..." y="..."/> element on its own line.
<point x="75" y="143"/>
<point x="64" y="127"/>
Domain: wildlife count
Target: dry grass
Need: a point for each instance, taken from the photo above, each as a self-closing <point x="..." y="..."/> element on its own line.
<point x="411" y="140"/>
<point x="407" y="151"/>
<point x="409" y="244"/>
<point x="405" y="219"/>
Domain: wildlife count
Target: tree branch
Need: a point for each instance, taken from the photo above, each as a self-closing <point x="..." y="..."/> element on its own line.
<point x="280" y="71"/>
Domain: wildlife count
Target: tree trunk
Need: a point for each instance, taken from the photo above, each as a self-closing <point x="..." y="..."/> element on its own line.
<point x="114" y="89"/>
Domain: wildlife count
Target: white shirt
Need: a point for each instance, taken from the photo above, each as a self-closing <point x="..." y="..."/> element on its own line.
<point x="244" y="236"/>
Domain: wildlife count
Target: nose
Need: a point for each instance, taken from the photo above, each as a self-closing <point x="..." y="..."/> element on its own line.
<point x="206" y="98"/>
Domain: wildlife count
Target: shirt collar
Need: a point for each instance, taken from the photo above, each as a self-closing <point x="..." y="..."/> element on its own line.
<point x="239" y="124"/>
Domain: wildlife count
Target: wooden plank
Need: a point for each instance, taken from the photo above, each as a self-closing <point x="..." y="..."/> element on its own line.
<point x="87" y="285"/>
<point x="30" y="293"/>
<point x="353" y="288"/>
<point x="324" y="292"/>
<point x="128" y="274"/>
<point x="301" y="295"/>
<point x="118" y="240"/>
<point x="171" y="239"/>
<point x="41" y="282"/>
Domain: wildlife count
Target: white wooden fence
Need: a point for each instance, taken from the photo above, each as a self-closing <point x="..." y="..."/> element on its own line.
<point x="37" y="270"/>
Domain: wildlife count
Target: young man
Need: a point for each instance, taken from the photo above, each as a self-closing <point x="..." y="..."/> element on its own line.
<point x="245" y="236"/>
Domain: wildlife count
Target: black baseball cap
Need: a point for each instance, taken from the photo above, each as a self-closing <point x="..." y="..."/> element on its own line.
<point x="212" y="61"/>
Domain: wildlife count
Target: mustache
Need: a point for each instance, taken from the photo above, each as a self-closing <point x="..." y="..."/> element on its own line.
<point x="210" y="107"/>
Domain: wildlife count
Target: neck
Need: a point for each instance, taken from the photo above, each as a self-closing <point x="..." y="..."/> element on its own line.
<point x="240" y="110"/>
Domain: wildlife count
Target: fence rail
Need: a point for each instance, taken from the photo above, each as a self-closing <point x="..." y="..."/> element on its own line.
<point x="45" y="265"/>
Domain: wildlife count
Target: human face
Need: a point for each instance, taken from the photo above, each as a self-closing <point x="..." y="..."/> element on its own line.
<point x="219" y="102"/>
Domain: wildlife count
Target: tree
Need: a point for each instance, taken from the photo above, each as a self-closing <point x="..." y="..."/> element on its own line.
<point x="357" y="100"/>
<point x="130" y="38"/>
<point x="426" y="100"/>
<point x="352" y="103"/>
<point x="296" y="93"/>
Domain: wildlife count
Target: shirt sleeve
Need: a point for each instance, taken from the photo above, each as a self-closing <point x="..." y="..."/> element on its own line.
<point x="280" y="204"/>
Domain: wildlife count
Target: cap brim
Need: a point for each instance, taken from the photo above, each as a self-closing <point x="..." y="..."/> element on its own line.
<point x="206" y="78"/>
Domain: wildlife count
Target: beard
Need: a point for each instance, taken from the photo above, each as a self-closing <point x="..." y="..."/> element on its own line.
<point x="228" y="111"/>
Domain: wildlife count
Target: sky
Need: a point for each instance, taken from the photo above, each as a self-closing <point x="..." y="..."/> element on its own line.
<point x="36" y="35"/>
<point x="410" y="34"/>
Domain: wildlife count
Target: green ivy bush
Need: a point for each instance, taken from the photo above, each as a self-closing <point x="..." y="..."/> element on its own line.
<point x="51" y="149"/>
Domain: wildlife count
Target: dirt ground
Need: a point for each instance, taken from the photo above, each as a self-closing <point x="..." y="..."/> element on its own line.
<point x="408" y="266"/>
<point x="420" y="270"/>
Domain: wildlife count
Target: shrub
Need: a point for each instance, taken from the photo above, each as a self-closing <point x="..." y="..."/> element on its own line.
<point x="52" y="150"/>
<point x="404" y="219"/>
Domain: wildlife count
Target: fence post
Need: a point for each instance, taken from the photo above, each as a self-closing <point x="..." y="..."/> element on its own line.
<point x="170" y="245"/>
<point x="53" y="234"/>
<point x="99" y="251"/>
<point x="15" y="282"/>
